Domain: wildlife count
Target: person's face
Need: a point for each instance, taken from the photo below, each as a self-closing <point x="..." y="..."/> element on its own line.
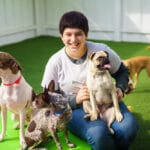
<point x="74" y="39"/>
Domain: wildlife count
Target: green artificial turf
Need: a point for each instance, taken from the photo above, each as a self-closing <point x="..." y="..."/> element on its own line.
<point x="33" y="54"/>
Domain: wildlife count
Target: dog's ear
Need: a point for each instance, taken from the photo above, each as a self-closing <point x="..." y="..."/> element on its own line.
<point x="45" y="91"/>
<point x="45" y="95"/>
<point x="14" y="65"/>
<point x="33" y="96"/>
<point x="91" y="55"/>
<point x="107" y="53"/>
<point x="51" y="86"/>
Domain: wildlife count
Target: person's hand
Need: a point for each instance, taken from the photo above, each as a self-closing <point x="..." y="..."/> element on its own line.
<point x="83" y="94"/>
<point x="119" y="94"/>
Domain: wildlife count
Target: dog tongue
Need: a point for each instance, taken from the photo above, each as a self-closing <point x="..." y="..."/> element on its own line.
<point x="107" y="66"/>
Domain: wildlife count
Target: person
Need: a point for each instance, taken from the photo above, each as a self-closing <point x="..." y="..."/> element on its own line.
<point x="68" y="68"/>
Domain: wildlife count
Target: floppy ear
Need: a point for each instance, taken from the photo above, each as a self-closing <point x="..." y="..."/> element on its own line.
<point x="91" y="55"/>
<point x="107" y="53"/>
<point x="51" y="86"/>
<point x="15" y="66"/>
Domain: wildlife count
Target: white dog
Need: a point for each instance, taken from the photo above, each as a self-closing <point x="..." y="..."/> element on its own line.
<point x="15" y="93"/>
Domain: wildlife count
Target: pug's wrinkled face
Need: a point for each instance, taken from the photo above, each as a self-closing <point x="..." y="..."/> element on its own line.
<point x="100" y="60"/>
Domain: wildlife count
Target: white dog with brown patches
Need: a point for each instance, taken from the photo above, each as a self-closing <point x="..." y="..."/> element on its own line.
<point x="15" y="93"/>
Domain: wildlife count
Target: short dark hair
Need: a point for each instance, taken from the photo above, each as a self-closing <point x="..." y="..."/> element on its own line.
<point x="73" y="19"/>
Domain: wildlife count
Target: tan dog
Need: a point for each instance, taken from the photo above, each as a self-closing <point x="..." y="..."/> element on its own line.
<point x="135" y="66"/>
<point x="15" y="93"/>
<point x="103" y="98"/>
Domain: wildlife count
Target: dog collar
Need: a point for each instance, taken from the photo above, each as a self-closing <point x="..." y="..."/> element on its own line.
<point x="16" y="82"/>
<point x="60" y="111"/>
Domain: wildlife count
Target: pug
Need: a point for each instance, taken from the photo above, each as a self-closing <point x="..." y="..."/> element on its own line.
<point x="103" y="98"/>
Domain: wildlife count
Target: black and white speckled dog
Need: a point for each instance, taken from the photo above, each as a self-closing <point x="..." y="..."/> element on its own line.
<point x="52" y="114"/>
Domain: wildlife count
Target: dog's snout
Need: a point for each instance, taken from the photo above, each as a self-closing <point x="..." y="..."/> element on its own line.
<point x="106" y="60"/>
<point x="102" y="61"/>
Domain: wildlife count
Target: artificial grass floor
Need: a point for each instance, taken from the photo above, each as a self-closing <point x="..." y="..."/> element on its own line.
<point x="33" y="55"/>
<point x="11" y="141"/>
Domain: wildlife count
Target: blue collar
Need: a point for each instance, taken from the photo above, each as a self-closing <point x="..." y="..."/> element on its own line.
<point x="61" y="111"/>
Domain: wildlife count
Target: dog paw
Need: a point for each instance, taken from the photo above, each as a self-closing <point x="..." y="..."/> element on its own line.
<point x="16" y="126"/>
<point x="111" y="131"/>
<point x="23" y="144"/>
<point x="119" y="116"/>
<point x="70" y="144"/>
<point x="129" y="88"/>
<point x="87" y="117"/>
<point x="23" y="148"/>
<point x="94" y="117"/>
<point x="59" y="147"/>
<point x="1" y="137"/>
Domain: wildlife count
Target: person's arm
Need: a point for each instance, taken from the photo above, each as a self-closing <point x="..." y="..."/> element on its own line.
<point x="118" y="71"/>
<point x="72" y="100"/>
<point x="76" y="100"/>
<point x="121" y="77"/>
<point x="50" y="73"/>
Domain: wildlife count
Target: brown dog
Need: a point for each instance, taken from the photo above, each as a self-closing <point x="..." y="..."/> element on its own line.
<point x="135" y="66"/>
<point x="103" y="97"/>
<point x="52" y="114"/>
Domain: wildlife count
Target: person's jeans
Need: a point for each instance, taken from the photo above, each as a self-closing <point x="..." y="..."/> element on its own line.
<point x="96" y="133"/>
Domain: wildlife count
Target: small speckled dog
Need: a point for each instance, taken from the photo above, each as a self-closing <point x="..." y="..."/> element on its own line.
<point x="15" y="93"/>
<point x="52" y="114"/>
<point x="103" y="99"/>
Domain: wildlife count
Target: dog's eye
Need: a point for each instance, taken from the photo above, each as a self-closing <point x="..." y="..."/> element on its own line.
<point x="3" y="65"/>
<point x="99" y="58"/>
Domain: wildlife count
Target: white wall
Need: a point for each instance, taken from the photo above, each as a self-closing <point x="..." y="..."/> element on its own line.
<point x="21" y="19"/>
<point x="16" y="20"/>
<point x="117" y="20"/>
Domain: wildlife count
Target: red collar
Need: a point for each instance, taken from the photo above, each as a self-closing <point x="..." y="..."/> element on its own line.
<point x="16" y="82"/>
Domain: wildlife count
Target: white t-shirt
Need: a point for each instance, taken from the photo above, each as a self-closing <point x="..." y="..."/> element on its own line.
<point x="64" y="72"/>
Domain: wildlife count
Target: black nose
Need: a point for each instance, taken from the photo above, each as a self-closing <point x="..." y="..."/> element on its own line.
<point x="106" y="60"/>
